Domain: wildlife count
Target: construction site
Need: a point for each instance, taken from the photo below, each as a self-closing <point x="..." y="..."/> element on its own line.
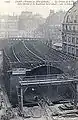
<point x="39" y="64"/>
<point x="36" y="82"/>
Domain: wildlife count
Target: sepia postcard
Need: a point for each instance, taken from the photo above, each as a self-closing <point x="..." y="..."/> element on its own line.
<point x="38" y="59"/>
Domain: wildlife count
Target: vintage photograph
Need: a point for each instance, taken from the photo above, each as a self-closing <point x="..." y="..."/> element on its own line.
<point x="38" y="59"/>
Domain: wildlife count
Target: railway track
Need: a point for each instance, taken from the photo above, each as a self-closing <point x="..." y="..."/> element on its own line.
<point x="33" y="52"/>
<point x="16" y="56"/>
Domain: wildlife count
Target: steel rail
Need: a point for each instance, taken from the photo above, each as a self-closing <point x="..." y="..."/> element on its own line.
<point x="16" y="55"/>
<point x="33" y="52"/>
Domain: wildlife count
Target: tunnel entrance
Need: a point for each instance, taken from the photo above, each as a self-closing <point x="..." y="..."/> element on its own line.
<point x="48" y="92"/>
<point x="31" y="94"/>
<point x="44" y="70"/>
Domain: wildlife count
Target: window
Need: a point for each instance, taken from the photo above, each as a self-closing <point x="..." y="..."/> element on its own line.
<point x="65" y="47"/>
<point x="76" y="40"/>
<point x="77" y="52"/>
<point x="66" y="27"/>
<point x="63" y="27"/>
<point x="73" y="40"/>
<point x="76" y="18"/>
<point x="62" y="33"/>
<point x="69" y="27"/>
<point x="69" y="39"/>
<point x="74" y="28"/>
<point x="67" y="19"/>
<point x="64" y="38"/>
<point x="75" y="21"/>
<point x="69" y="49"/>
<point x="73" y="50"/>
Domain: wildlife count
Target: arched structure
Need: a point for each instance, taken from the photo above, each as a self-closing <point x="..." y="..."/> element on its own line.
<point x="44" y="70"/>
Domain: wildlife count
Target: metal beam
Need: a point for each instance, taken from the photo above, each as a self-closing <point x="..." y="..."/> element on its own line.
<point x="48" y="81"/>
<point x="21" y="99"/>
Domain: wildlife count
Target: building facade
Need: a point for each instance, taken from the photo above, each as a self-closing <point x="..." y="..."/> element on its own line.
<point x="70" y="31"/>
<point x="8" y="26"/>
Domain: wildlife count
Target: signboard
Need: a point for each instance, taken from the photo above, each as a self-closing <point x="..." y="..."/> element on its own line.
<point x="18" y="71"/>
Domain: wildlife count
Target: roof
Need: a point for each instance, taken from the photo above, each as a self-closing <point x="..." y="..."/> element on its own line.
<point x="72" y="14"/>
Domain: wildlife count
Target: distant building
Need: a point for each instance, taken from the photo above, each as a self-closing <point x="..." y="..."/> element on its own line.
<point x="23" y="25"/>
<point x="28" y="23"/>
<point x="8" y="26"/>
<point x="70" y="31"/>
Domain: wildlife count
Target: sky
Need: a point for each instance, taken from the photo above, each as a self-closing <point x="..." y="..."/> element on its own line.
<point x="11" y="6"/>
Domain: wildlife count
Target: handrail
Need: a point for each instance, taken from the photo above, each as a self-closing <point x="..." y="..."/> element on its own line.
<point x="49" y="81"/>
<point x="50" y="76"/>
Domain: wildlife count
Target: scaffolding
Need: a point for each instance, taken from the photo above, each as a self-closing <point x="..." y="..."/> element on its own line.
<point x="42" y="82"/>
